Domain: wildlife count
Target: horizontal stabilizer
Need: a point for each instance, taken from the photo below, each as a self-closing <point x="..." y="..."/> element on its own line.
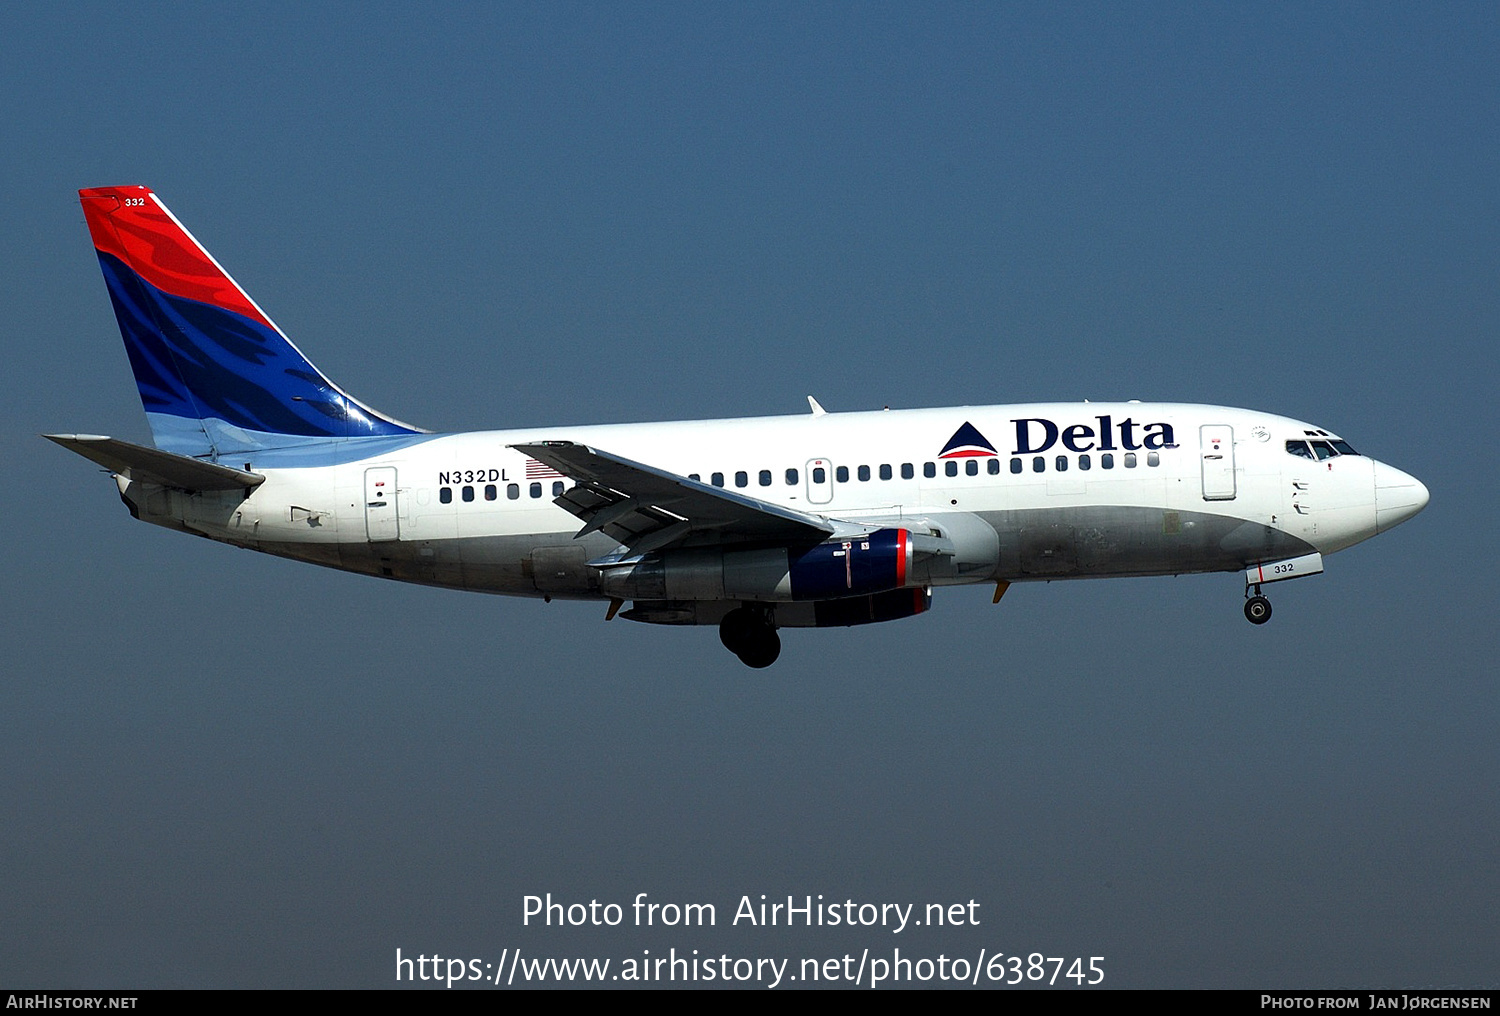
<point x="151" y="465"/>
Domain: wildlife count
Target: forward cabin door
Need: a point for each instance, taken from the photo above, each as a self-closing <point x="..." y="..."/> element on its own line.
<point x="381" y="522"/>
<point x="1217" y="452"/>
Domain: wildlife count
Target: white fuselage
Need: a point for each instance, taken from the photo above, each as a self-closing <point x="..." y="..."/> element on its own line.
<point x="1070" y="490"/>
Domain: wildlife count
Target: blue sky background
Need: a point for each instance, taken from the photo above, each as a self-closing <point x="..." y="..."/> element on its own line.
<point x="221" y="769"/>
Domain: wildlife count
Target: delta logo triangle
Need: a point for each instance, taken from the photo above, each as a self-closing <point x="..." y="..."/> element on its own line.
<point x="967" y="443"/>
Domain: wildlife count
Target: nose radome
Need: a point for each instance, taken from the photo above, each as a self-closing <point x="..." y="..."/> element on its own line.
<point x="1398" y="496"/>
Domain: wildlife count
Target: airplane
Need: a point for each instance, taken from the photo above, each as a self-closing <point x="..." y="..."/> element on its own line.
<point x="807" y="521"/>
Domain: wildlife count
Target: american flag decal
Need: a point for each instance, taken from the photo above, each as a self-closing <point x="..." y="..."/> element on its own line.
<point x="540" y="471"/>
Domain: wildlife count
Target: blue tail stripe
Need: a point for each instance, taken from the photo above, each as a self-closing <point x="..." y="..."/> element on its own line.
<point x="201" y="362"/>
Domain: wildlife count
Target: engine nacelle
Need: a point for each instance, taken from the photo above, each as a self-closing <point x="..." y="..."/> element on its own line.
<point x="842" y="613"/>
<point x="873" y="563"/>
<point x="859" y="566"/>
<point x="887" y="606"/>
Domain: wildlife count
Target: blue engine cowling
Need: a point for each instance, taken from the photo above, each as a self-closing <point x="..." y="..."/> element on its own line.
<point x="888" y="606"/>
<point x="872" y="563"/>
<point x="860" y="566"/>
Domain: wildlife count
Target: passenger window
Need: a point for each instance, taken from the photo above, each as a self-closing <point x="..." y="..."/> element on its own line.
<point x="558" y="487"/>
<point x="717" y="479"/>
<point x="512" y="490"/>
<point x="1153" y="458"/>
<point x="950" y="467"/>
<point x="972" y="467"/>
<point x="885" y="471"/>
<point x="1062" y="463"/>
<point x="1107" y="460"/>
<point x="1038" y="464"/>
<point x="1084" y="462"/>
<point x="791" y="478"/>
<point x="445" y="495"/>
<point x="765" y="477"/>
<point x="1015" y="465"/>
<point x="929" y="469"/>
<point x="490" y="493"/>
<point x="1130" y="460"/>
<point x="907" y="471"/>
<point x="694" y="476"/>
<point x="741" y="479"/>
<point x="468" y="493"/>
<point x="820" y="475"/>
<point x="536" y="490"/>
<point x="993" y="466"/>
<point x="864" y="473"/>
<point x="841" y="474"/>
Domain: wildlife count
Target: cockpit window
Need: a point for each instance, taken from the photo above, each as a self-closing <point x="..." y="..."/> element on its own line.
<point x="1320" y="450"/>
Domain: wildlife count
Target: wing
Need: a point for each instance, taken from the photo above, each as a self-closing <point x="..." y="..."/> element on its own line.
<point x="646" y="509"/>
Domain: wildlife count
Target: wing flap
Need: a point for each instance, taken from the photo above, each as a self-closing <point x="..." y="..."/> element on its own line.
<point x="152" y="465"/>
<point x="645" y="508"/>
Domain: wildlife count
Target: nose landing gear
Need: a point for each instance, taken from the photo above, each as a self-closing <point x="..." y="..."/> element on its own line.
<point x="1257" y="608"/>
<point x="748" y="633"/>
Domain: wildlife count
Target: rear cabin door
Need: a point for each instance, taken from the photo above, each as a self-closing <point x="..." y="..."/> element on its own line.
<point x="1217" y="452"/>
<point x="381" y="522"/>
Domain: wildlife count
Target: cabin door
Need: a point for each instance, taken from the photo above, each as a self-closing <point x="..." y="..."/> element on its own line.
<point x="819" y="481"/>
<point x="381" y="522"/>
<point x="1216" y="448"/>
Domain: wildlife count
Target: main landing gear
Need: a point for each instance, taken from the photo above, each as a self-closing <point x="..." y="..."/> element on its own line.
<point x="748" y="633"/>
<point x="1257" y="608"/>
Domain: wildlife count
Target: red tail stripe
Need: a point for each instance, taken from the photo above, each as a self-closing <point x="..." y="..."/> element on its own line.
<point x="129" y="224"/>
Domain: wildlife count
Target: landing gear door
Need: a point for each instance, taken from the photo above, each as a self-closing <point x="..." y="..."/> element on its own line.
<point x="1217" y="454"/>
<point x="819" y="481"/>
<point x="381" y="522"/>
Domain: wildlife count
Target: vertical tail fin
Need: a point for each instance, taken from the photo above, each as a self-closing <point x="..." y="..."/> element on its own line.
<point x="216" y="375"/>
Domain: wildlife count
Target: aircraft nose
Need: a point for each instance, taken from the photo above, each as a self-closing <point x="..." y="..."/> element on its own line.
<point x="1398" y="496"/>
